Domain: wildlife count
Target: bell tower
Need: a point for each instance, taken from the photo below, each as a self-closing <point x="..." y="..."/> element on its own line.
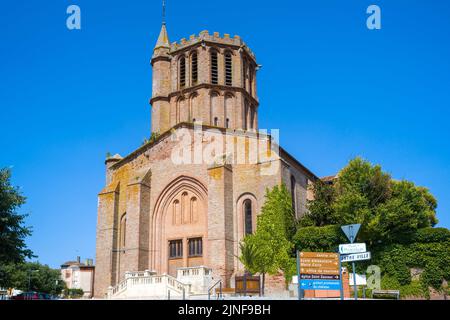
<point x="207" y="78"/>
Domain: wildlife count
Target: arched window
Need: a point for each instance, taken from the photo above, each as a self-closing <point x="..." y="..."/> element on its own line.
<point x="185" y="208"/>
<point x="252" y="117"/>
<point x="194" y="109"/>
<point x="293" y="183"/>
<point x="182" y="72"/>
<point x="194" y="68"/>
<point x="123" y="229"/>
<point x="216" y="109"/>
<point x="182" y="111"/>
<point x="214" y="68"/>
<point x="229" y="102"/>
<point x="228" y="69"/>
<point x="176" y="217"/>
<point x="248" y="217"/>
<point x="194" y="210"/>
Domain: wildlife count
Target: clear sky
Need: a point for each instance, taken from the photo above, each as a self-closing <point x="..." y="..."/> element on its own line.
<point x="334" y="89"/>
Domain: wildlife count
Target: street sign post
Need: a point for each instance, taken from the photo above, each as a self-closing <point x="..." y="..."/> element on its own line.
<point x="356" y="257"/>
<point x="318" y="271"/>
<point x="351" y="230"/>
<point x="352" y="248"/>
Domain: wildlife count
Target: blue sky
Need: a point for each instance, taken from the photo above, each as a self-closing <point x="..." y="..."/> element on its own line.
<point x="334" y="89"/>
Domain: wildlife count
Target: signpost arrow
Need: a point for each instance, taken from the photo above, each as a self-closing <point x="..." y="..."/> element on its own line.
<point x="318" y="271"/>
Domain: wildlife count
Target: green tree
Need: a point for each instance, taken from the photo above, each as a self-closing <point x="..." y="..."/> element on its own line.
<point x="34" y="276"/>
<point x="320" y="210"/>
<point x="248" y="256"/>
<point x="12" y="230"/>
<point x="271" y="244"/>
<point x="386" y="209"/>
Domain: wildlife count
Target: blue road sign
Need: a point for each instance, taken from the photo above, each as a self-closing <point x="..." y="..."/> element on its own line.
<point x="320" y="284"/>
<point x="351" y="230"/>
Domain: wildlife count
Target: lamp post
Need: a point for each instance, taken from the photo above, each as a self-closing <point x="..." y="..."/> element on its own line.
<point x="29" y="278"/>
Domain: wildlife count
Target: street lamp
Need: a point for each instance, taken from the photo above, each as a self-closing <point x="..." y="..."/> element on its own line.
<point x="29" y="278"/>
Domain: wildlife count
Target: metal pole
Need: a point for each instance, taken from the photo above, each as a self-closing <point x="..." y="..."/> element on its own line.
<point x="352" y="238"/>
<point x="298" y="276"/>
<point x="340" y="276"/>
<point x="220" y="290"/>
<point x="184" y="293"/>
<point x="244" y="283"/>
<point x="168" y="294"/>
<point x="260" y="284"/>
<point x="354" y="281"/>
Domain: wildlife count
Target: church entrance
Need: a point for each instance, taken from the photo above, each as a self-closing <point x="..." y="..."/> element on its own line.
<point x="182" y="227"/>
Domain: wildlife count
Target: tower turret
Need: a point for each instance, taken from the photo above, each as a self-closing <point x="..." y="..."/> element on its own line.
<point x="161" y="83"/>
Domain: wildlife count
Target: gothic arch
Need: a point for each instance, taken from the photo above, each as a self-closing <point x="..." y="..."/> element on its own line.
<point x="194" y="107"/>
<point x="247" y="196"/>
<point x="183" y="65"/>
<point x="214" y="48"/>
<point x="229" y="107"/>
<point x="216" y="110"/>
<point x="240" y="221"/>
<point x="182" y="111"/>
<point x="198" y="197"/>
<point x="193" y="66"/>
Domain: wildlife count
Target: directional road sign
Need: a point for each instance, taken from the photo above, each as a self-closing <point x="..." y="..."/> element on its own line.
<point x="352" y="248"/>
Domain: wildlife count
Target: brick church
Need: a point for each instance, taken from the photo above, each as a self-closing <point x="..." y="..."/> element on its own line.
<point x="159" y="213"/>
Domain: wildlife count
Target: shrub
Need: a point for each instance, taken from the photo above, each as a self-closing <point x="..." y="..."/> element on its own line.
<point x="73" y="293"/>
<point x="319" y="239"/>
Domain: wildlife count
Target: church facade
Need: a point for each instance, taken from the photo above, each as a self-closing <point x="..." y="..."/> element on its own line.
<point x="189" y="196"/>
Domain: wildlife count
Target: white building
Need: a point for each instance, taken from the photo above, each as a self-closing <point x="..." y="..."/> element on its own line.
<point x="78" y="275"/>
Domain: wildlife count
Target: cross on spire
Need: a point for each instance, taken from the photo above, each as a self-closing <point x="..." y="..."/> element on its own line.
<point x="164" y="11"/>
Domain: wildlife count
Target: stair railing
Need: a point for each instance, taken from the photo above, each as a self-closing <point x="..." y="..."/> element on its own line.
<point x="218" y="282"/>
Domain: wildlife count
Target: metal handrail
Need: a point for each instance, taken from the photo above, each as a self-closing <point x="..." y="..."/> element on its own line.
<point x="212" y="287"/>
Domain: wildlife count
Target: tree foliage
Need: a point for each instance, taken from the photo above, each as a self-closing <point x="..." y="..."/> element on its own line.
<point x="321" y="212"/>
<point x="386" y="209"/>
<point x="12" y="230"/>
<point x="271" y="244"/>
<point x="319" y="239"/>
<point x="33" y="276"/>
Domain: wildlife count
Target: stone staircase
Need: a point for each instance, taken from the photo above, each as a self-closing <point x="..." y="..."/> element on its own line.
<point x="193" y="281"/>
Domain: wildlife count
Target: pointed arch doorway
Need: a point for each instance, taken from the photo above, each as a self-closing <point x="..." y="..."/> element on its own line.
<point x="179" y="226"/>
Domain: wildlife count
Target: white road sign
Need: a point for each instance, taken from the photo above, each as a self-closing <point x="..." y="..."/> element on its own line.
<point x="356" y="257"/>
<point x="352" y="248"/>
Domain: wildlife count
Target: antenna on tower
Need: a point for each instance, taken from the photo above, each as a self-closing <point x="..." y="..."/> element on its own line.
<point x="164" y="11"/>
